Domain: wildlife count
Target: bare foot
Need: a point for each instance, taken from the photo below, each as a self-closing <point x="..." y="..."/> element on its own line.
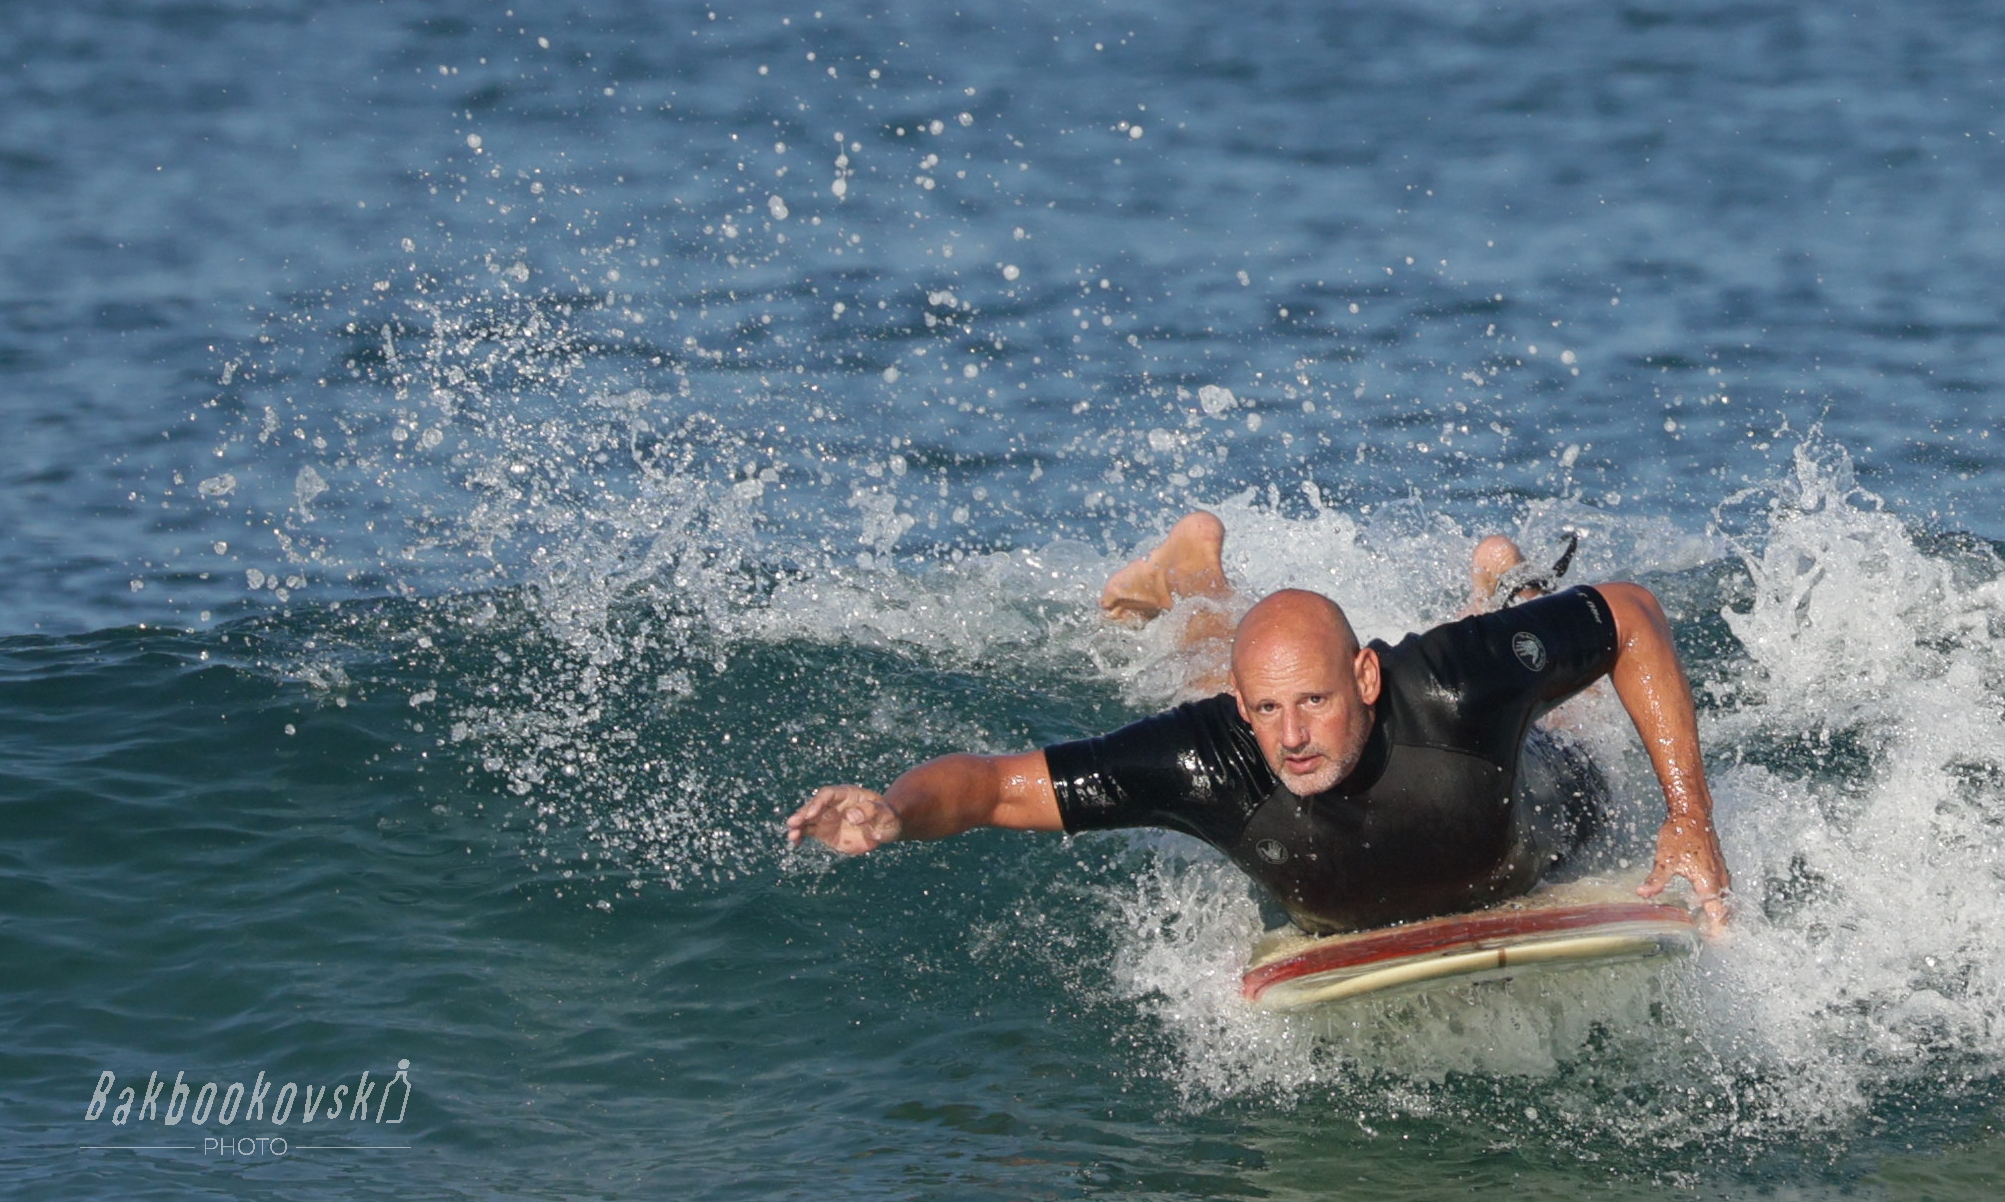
<point x="1494" y="556"/>
<point x="1188" y="563"/>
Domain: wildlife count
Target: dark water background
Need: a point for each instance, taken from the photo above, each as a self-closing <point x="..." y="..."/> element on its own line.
<point x="476" y="468"/>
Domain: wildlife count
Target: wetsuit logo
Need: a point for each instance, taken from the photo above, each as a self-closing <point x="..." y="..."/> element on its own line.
<point x="1271" y="851"/>
<point x="1530" y="652"/>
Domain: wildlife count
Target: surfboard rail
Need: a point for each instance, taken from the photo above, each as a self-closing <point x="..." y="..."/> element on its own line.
<point x="1535" y="933"/>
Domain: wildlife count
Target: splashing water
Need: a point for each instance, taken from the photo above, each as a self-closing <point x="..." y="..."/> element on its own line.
<point x="1851" y="722"/>
<point x="667" y="621"/>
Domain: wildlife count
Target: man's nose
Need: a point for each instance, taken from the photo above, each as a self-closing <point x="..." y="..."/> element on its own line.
<point x="1294" y="731"/>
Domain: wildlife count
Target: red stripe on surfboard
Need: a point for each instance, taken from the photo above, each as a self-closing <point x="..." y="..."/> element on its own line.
<point x="1444" y="934"/>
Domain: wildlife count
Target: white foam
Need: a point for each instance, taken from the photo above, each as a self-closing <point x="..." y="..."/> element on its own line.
<point x="1857" y="775"/>
<point x="1855" y="751"/>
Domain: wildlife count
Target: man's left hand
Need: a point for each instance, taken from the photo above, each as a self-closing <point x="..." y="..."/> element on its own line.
<point x="1691" y="849"/>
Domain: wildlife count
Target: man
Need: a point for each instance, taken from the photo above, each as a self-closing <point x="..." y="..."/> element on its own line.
<point x="1360" y="785"/>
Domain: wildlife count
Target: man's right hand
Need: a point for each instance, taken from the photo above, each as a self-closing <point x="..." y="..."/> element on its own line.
<point x="849" y="818"/>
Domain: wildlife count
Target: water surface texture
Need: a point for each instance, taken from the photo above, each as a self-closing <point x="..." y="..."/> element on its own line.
<point x="476" y="469"/>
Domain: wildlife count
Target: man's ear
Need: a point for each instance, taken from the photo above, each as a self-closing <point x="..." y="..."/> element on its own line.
<point x="1366" y="668"/>
<point x="1232" y="687"/>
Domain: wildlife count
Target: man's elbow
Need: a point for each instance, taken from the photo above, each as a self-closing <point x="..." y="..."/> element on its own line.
<point x="1635" y="611"/>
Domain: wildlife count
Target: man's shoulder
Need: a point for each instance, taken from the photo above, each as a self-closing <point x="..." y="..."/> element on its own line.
<point x="1544" y="647"/>
<point x="1174" y="730"/>
<point x="1524" y="634"/>
<point x="1217" y="708"/>
<point x="1182" y="768"/>
<point x="1203" y="724"/>
<point x="1579" y="606"/>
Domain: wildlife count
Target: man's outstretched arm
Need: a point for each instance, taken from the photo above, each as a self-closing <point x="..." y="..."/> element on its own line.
<point x="939" y="798"/>
<point x="1654" y="690"/>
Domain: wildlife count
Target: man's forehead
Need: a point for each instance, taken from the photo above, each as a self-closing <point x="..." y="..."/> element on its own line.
<point x="1281" y="667"/>
<point x="1296" y="628"/>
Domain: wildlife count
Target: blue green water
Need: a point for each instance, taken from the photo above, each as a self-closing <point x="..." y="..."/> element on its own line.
<point x="476" y="469"/>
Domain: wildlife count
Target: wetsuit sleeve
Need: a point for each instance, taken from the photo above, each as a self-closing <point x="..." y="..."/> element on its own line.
<point x="1186" y="769"/>
<point x="1576" y="633"/>
<point x="1492" y="674"/>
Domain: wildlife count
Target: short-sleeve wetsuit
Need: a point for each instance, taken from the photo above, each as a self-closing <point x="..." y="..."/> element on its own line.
<point x="1450" y="806"/>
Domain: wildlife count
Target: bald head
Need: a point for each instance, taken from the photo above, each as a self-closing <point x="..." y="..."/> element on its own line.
<point x="1304" y="687"/>
<point x="1295" y="621"/>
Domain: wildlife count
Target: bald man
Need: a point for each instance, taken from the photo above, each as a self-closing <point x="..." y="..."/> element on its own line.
<point x="1360" y="785"/>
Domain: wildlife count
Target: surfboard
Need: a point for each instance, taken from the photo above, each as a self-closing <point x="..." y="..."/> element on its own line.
<point x="1578" y="924"/>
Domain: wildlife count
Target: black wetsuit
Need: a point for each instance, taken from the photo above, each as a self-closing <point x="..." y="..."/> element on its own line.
<point x="1451" y="805"/>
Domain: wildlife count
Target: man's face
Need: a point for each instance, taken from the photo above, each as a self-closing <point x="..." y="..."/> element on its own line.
<point x="1310" y="706"/>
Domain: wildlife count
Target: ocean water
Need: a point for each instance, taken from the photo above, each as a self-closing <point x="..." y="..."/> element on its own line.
<point x="477" y="468"/>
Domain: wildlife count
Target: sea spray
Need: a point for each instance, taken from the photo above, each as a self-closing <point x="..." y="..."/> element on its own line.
<point x="660" y="573"/>
<point x="1848" y="721"/>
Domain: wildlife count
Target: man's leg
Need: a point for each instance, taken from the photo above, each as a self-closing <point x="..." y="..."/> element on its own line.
<point x="1499" y="575"/>
<point x="1494" y="556"/>
<point x="1563" y="794"/>
<point x="1188" y="565"/>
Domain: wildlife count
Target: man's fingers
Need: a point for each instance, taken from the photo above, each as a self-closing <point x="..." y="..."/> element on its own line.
<point x="818" y="804"/>
<point x="1707" y="890"/>
<point x="1716" y="917"/>
<point x="1711" y="890"/>
<point x="849" y="818"/>
<point x="1652" y="885"/>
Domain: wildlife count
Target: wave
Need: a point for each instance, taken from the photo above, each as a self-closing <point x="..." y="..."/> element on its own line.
<point x="674" y="655"/>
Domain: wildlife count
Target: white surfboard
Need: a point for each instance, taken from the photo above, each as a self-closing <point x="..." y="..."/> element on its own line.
<point x="1575" y="925"/>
